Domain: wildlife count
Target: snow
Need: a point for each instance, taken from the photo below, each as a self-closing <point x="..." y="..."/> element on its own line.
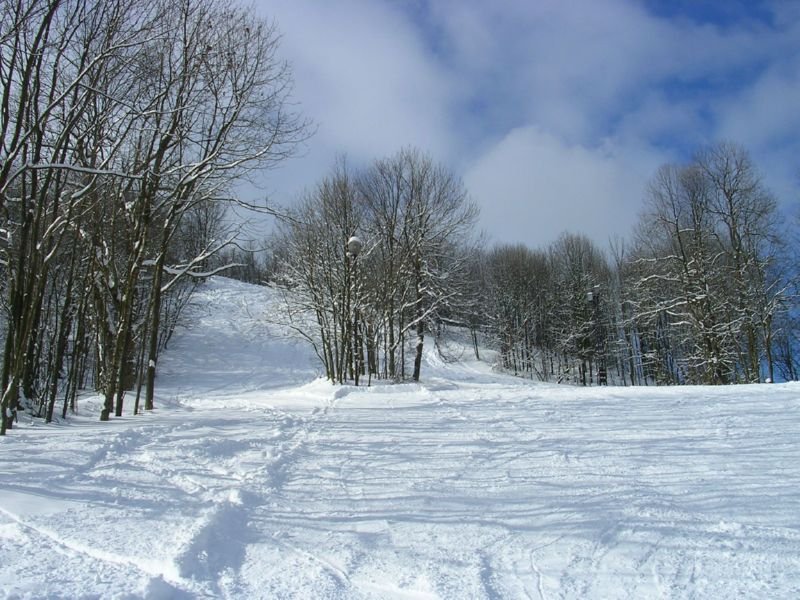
<point x="253" y="478"/>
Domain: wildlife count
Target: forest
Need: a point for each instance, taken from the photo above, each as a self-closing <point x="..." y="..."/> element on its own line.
<point x="704" y="291"/>
<point x="125" y="128"/>
<point x="123" y="125"/>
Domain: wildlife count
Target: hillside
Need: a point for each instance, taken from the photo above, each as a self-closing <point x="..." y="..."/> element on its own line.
<point x="255" y="479"/>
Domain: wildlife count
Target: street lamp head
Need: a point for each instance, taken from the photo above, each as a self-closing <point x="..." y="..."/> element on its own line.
<point x="354" y="245"/>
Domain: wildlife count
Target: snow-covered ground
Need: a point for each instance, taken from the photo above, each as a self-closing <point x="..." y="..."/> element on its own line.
<point x="254" y="479"/>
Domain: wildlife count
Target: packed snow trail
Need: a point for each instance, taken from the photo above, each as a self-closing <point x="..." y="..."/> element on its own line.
<point x="254" y="479"/>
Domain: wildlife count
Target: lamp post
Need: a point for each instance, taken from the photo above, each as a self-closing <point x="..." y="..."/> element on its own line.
<point x="354" y="246"/>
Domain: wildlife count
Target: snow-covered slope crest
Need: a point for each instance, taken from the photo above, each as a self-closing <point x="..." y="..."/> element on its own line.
<point x="233" y="348"/>
<point x="255" y="479"/>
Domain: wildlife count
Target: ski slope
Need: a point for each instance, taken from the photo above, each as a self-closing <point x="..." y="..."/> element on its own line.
<point x="255" y="479"/>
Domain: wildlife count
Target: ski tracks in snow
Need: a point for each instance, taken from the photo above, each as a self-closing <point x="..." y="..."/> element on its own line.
<point x="191" y="491"/>
<point x="471" y="485"/>
<point x="246" y="469"/>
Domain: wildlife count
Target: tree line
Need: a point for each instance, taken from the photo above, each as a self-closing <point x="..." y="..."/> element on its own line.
<point x="704" y="292"/>
<point x="123" y="124"/>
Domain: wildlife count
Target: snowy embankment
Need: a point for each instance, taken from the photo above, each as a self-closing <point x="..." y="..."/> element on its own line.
<point x="253" y="479"/>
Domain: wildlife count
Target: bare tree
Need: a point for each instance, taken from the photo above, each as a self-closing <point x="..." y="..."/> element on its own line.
<point x="415" y="218"/>
<point x="118" y="120"/>
<point x="318" y="271"/>
<point x="56" y="58"/>
<point x="229" y="103"/>
<point x="581" y="277"/>
<point x="422" y="214"/>
<point x="519" y="289"/>
<point x="747" y="232"/>
<point x="706" y="252"/>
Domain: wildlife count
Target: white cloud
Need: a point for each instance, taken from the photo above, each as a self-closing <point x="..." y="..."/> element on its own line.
<point x="556" y="113"/>
<point x="363" y="76"/>
<point x="531" y="186"/>
<point x="766" y="113"/>
<point x="765" y="120"/>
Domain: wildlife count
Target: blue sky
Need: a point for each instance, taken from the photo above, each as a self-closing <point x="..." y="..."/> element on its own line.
<point x="555" y="113"/>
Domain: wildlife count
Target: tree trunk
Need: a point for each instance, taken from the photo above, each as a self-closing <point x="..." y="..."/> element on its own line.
<point x="420" y="332"/>
<point x="153" y="326"/>
<point x="768" y="349"/>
